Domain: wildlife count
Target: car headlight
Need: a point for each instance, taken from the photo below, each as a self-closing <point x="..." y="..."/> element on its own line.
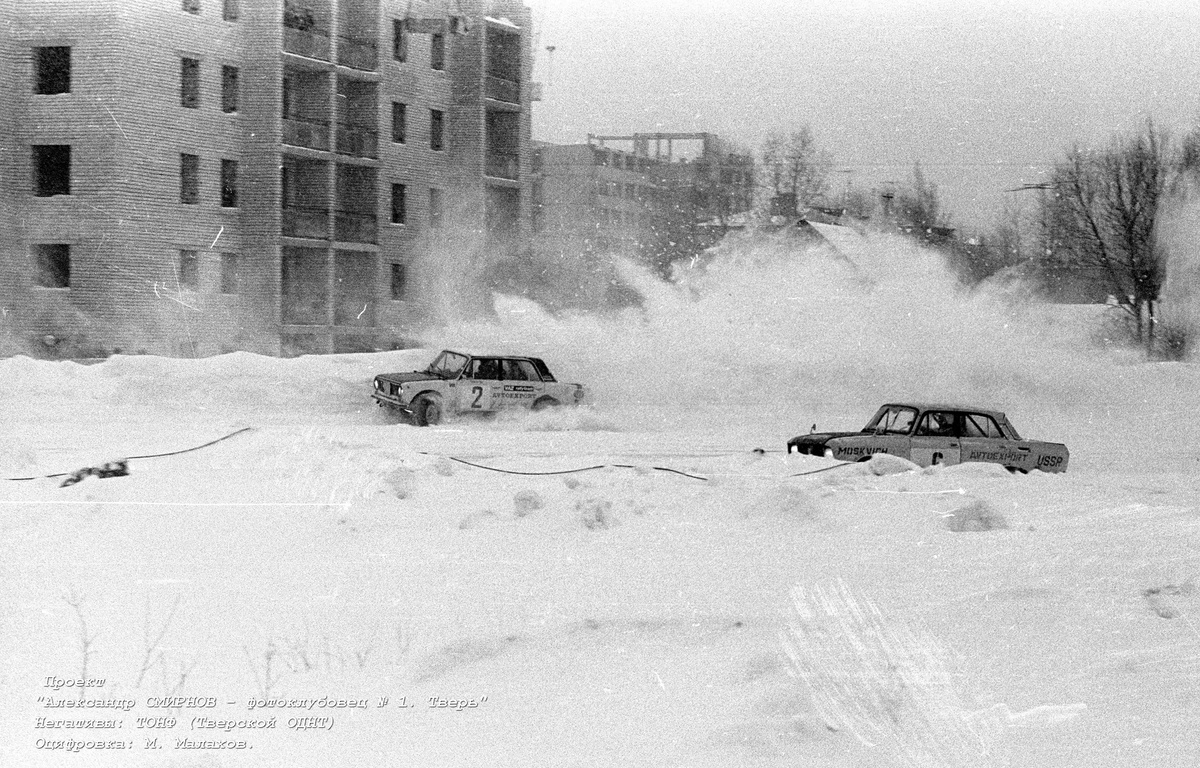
<point x="828" y="453"/>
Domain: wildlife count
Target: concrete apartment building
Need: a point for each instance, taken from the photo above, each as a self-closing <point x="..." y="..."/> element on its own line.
<point x="189" y="177"/>
<point x="638" y="199"/>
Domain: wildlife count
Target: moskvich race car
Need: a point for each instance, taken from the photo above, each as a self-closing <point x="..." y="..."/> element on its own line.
<point x="456" y="382"/>
<point x="937" y="434"/>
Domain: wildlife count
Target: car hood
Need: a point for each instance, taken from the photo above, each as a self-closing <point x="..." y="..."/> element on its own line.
<point x="404" y="378"/>
<point x="820" y="438"/>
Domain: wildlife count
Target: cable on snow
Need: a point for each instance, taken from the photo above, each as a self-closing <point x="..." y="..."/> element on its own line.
<point x="120" y="467"/>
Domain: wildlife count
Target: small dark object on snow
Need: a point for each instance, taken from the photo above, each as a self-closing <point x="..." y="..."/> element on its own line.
<point x="118" y="468"/>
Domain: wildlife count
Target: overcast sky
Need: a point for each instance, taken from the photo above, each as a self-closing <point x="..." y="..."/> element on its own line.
<point x="983" y="94"/>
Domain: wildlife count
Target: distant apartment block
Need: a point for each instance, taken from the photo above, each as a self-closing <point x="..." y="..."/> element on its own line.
<point x="189" y="177"/>
<point x="636" y="195"/>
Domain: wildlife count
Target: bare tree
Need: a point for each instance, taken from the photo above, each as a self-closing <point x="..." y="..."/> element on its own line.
<point x="918" y="204"/>
<point x="793" y="163"/>
<point x="1101" y="216"/>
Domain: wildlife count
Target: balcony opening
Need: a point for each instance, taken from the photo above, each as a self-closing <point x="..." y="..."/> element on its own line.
<point x="503" y="76"/>
<point x="305" y="197"/>
<point x="306" y="28"/>
<point x="355" y="220"/>
<point x="358" y="34"/>
<point x="358" y="118"/>
<point x="354" y="288"/>
<point x="306" y="108"/>
<point x="503" y="144"/>
<point x="304" y="287"/>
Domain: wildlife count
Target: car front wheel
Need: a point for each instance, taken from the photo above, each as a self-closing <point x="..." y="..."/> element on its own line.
<point x="427" y="410"/>
<point x="545" y="402"/>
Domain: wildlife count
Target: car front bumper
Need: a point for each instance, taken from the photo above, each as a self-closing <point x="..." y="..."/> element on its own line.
<point x="389" y="401"/>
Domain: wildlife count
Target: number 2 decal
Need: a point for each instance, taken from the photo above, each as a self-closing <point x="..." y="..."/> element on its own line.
<point x="478" y="396"/>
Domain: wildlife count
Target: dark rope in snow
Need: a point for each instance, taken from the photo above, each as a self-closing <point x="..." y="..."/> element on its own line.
<point x="823" y="469"/>
<point x="195" y="448"/>
<point x="663" y="469"/>
<point x="561" y="471"/>
<point x="120" y="468"/>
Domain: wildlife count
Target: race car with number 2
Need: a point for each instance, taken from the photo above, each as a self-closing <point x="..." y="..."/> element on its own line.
<point x="456" y="383"/>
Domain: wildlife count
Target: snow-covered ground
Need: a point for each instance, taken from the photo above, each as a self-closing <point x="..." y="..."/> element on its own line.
<point x="740" y="614"/>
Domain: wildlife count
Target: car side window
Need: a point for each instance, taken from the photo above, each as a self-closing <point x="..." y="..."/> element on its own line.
<point x="487" y="368"/>
<point x="894" y="421"/>
<point x="522" y="370"/>
<point x="980" y="425"/>
<point x="936" y="424"/>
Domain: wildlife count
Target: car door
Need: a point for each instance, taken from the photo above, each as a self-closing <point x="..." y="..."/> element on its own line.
<point x="482" y="380"/>
<point x="520" y="384"/>
<point x="936" y="439"/>
<point x="983" y="440"/>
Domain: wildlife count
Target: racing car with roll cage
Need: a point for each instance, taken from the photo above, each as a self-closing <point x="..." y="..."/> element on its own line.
<point x="457" y="382"/>
<point x="928" y="434"/>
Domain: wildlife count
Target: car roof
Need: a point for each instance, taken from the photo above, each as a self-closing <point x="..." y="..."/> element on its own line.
<point x="948" y="407"/>
<point x="477" y="354"/>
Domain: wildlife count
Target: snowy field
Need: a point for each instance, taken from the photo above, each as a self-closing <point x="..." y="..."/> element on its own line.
<point x="733" y="612"/>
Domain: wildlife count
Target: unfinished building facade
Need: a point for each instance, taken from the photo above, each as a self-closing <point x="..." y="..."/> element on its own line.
<point x="190" y="177"/>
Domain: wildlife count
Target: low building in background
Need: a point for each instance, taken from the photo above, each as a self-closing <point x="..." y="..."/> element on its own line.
<point x="633" y="196"/>
<point x="190" y="177"/>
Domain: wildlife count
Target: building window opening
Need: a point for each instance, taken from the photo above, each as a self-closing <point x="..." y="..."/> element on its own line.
<point x="189" y="271"/>
<point x="399" y="282"/>
<point x="52" y="265"/>
<point x="399" y="122"/>
<point x="189" y="83"/>
<point x="230" y="278"/>
<point x="52" y="69"/>
<point x="436" y="212"/>
<point x="437" y="129"/>
<point x="399" y="40"/>
<point x="189" y="179"/>
<point x="399" y="205"/>
<point x="229" y="183"/>
<point x="437" y="51"/>
<point x="229" y="89"/>
<point x="51" y="170"/>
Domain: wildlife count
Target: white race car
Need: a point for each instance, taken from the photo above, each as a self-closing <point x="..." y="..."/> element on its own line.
<point x="937" y="434"/>
<point x="456" y="382"/>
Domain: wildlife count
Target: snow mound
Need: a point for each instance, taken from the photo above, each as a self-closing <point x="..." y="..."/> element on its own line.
<point x="567" y="419"/>
<point x="975" y="515"/>
<point x="595" y="513"/>
<point x="882" y="464"/>
<point x="785" y="500"/>
<point x="974" y="469"/>
<point x="526" y="502"/>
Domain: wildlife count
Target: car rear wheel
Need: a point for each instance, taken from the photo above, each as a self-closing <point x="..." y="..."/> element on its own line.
<point x="427" y="410"/>
<point x="544" y="403"/>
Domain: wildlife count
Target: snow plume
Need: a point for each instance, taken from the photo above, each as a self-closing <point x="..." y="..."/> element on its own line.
<point x="763" y="332"/>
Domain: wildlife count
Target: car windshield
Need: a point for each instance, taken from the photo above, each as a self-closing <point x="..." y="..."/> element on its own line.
<point x="894" y="419"/>
<point x="447" y="365"/>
